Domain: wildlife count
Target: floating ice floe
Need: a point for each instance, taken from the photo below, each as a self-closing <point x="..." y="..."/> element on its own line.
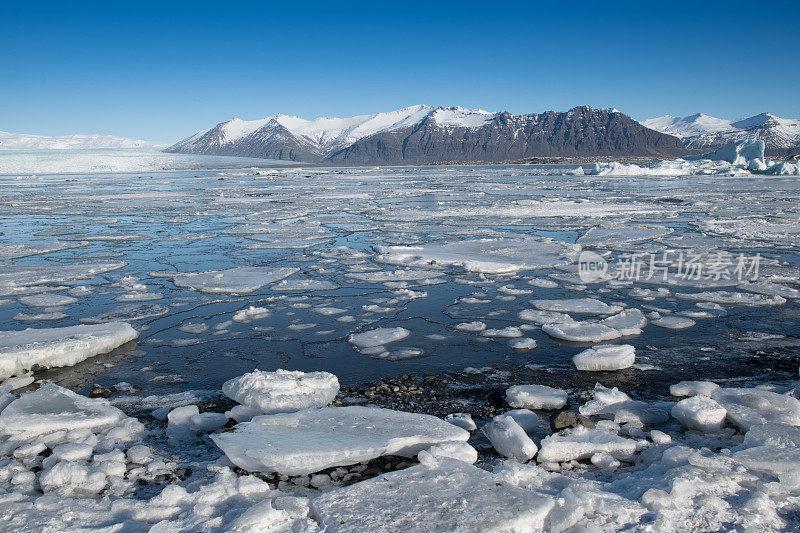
<point x="627" y="322"/>
<point x="47" y="299"/>
<point x="509" y="439"/>
<point x="15" y="276"/>
<point x="283" y="390"/>
<point x="584" y="331"/>
<point x="378" y="337"/>
<point x="439" y="494"/>
<point x="747" y="407"/>
<point x="590" y="306"/>
<point x="489" y="256"/>
<point x="583" y="443"/>
<point x="700" y="413"/>
<point x="543" y="317"/>
<point x="314" y="439"/>
<point x="302" y="285"/>
<point x="769" y="288"/>
<point x="611" y="236"/>
<point x="251" y="313"/>
<point x="535" y="397"/>
<point x="510" y="332"/>
<point x="673" y="322"/>
<point x="58" y="347"/>
<point x="475" y="327"/>
<point x="615" y="405"/>
<point x="733" y="298"/>
<point x="524" y="343"/>
<point x="609" y="357"/>
<point x="693" y="388"/>
<point x="240" y="280"/>
<point x="127" y="312"/>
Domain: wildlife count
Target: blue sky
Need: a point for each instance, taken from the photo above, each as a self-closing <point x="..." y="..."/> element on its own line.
<point x="163" y="70"/>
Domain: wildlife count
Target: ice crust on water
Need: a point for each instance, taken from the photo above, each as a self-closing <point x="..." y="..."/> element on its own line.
<point x="489" y="256"/>
<point x="733" y="298"/>
<point x="239" y="280"/>
<point x="608" y="357"/>
<point x="52" y="408"/>
<point x="509" y="439"/>
<point x="47" y="299"/>
<point x="535" y="397"/>
<point x="58" y="347"/>
<point x="437" y="495"/>
<point x="314" y="439"/>
<point x="283" y="390"/>
<point x="673" y="322"/>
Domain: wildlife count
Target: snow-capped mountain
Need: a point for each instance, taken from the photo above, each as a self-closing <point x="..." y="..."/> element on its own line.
<point x="424" y="134"/>
<point x="23" y="141"/>
<point x="704" y="133"/>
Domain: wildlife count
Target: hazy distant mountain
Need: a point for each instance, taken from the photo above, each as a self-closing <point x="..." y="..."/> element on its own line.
<point x="23" y="141"/>
<point x="422" y="134"/>
<point x="703" y="133"/>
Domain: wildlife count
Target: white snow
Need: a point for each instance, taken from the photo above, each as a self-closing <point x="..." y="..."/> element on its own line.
<point x="57" y="347"/>
<point x="283" y="390"/>
<point x="608" y="357"/>
<point x="535" y="397"/>
<point x="314" y="439"/>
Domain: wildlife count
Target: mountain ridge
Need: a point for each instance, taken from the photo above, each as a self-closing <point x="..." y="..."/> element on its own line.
<point x="423" y="134"/>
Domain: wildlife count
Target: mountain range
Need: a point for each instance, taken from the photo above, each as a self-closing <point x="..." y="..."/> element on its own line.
<point x="422" y="134"/>
<point x="703" y="133"/>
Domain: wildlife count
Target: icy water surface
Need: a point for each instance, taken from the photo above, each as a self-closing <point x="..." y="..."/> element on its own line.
<point x="330" y="247"/>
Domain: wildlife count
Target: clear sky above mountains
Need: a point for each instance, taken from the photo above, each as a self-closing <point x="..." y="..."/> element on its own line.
<point x="163" y="70"/>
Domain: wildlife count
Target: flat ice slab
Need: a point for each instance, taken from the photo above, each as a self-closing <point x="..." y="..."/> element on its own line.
<point x="535" y="397"/>
<point x="700" y="413"/>
<point x="437" y="495"/>
<point x="583" y="443"/>
<point x="314" y="439"/>
<point x="590" y="306"/>
<point x="489" y="256"/>
<point x="52" y="408"/>
<point x="609" y="357"/>
<point x="240" y="280"/>
<point x="377" y="337"/>
<point x="584" y="331"/>
<point x="747" y="407"/>
<point x="283" y="390"/>
<point x="56" y="347"/>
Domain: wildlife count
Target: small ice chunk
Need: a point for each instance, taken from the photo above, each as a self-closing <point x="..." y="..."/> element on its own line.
<point x="378" y="337"/>
<point x="540" y="317"/>
<point x="140" y="454"/>
<point x="527" y="419"/>
<point x="535" y="397"/>
<point x="461" y="451"/>
<point x="181" y="416"/>
<point x="581" y="331"/>
<point x="251" y="313"/>
<point x="582" y="443"/>
<point x="509" y="332"/>
<point x="509" y="439"/>
<point x="700" y="413"/>
<point x="315" y="439"/>
<point x="47" y="299"/>
<point x="525" y="343"/>
<point x="282" y="390"/>
<point x="240" y="280"/>
<point x="628" y="322"/>
<point x="72" y="451"/>
<point x="206" y="422"/>
<point x="462" y="420"/>
<point x="608" y="357"/>
<point x="693" y="388"/>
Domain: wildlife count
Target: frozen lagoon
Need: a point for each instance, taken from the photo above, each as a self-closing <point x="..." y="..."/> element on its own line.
<point x="325" y="244"/>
